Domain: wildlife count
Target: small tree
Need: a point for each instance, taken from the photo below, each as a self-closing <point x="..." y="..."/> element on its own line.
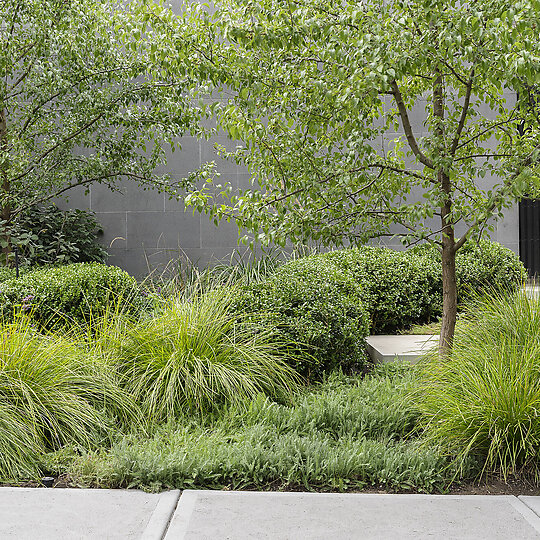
<point x="318" y="88"/>
<point x="82" y="94"/>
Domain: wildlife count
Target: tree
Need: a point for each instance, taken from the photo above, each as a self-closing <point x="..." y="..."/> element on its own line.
<point x="84" y="98"/>
<point x="314" y="84"/>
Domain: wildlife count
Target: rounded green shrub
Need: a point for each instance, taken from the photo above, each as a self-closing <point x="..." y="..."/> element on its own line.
<point x="402" y="288"/>
<point x="315" y="307"/>
<point x="488" y="266"/>
<point x="482" y="266"/>
<point x="75" y="293"/>
<point x="398" y="288"/>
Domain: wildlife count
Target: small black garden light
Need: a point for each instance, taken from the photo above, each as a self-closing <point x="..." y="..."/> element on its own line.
<point x="47" y="481"/>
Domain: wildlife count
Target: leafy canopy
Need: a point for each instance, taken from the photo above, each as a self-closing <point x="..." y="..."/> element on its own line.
<point x="321" y="94"/>
<point x="84" y="97"/>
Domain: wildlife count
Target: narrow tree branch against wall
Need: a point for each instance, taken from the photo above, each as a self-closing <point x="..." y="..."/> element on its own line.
<point x="85" y="97"/>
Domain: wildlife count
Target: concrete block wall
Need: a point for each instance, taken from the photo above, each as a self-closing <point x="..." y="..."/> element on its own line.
<point x="144" y="231"/>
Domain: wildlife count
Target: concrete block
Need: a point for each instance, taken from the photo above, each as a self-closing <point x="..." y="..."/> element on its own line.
<point x="75" y="198"/>
<point x="223" y="236"/>
<point x="51" y="514"/>
<point x="508" y="228"/>
<point x="159" y="230"/>
<point x="203" y="515"/>
<point x="183" y="160"/>
<point x="404" y="348"/>
<point x="130" y="197"/>
<point x="142" y="262"/>
<point x="114" y="229"/>
<point x="209" y="153"/>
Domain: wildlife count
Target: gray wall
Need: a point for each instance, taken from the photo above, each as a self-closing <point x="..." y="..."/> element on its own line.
<point x="144" y="230"/>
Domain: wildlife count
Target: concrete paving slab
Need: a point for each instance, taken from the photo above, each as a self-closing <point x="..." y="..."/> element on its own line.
<point x="387" y="348"/>
<point x="203" y="515"/>
<point x="47" y="514"/>
<point x="532" y="502"/>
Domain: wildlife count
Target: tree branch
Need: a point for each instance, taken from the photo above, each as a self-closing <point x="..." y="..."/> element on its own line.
<point x="407" y="127"/>
<point x="463" y="116"/>
<point x="487" y="130"/>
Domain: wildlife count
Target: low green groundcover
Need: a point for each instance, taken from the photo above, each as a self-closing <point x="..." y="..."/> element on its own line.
<point x="348" y="433"/>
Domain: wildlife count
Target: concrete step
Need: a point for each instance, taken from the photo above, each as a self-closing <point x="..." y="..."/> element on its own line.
<point x="399" y="348"/>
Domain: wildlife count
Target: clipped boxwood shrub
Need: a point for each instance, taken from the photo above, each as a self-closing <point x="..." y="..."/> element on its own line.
<point x="317" y="308"/>
<point x="481" y="266"/>
<point x="398" y="288"/>
<point x="71" y="293"/>
<point x="488" y="266"/>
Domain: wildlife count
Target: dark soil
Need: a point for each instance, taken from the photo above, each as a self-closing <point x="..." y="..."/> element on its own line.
<point x="489" y="486"/>
<point x="512" y="486"/>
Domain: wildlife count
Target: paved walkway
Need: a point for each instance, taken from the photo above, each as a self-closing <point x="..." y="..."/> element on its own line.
<point x="199" y="515"/>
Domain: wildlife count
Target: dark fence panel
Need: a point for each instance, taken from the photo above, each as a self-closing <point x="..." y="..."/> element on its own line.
<point x="529" y="235"/>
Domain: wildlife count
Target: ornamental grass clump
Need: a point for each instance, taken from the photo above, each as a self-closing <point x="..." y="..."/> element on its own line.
<point x="482" y="401"/>
<point x="194" y="356"/>
<point x="51" y="394"/>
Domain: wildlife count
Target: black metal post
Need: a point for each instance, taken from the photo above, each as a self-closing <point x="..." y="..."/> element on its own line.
<point x="16" y="249"/>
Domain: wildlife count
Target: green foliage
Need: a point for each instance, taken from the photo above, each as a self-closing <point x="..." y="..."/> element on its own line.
<point x="483" y="399"/>
<point x="51" y="394"/>
<point x="317" y="309"/>
<point x="192" y="356"/>
<point x="86" y="99"/>
<point x="488" y="266"/>
<point x="50" y="236"/>
<point x="398" y="288"/>
<point x="315" y="92"/>
<point x="403" y="288"/>
<point x="346" y="434"/>
<point x="6" y="273"/>
<point x="482" y="266"/>
<point x="71" y="294"/>
<point x="369" y="119"/>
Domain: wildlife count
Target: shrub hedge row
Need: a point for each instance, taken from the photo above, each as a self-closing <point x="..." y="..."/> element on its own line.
<point x="74" y="293"/>
<point x="328" y="303"/>
<point x="323" y="305"/>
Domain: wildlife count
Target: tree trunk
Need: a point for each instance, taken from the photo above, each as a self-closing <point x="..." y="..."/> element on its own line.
<point x="448" y="240"/>
<point x="449" y="285"/>
<point x="5" y="212"/>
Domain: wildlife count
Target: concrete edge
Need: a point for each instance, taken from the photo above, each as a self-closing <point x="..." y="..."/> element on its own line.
<point x="373" y="353"/>
<point x="179" y="523"/>
<point x="161" y="516"/>
<point x="527" y="512"/>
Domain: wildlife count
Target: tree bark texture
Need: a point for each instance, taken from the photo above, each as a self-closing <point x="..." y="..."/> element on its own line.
<point x="448" y="241"/>
<point x="6" y="207"/>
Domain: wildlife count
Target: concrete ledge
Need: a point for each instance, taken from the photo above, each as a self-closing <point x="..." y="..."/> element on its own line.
<point x="207" y="515"/>
<point x="403" y="348"/>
